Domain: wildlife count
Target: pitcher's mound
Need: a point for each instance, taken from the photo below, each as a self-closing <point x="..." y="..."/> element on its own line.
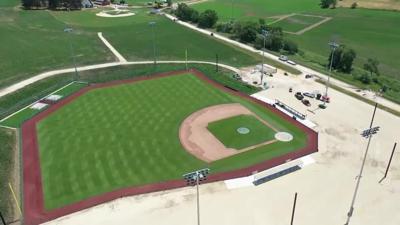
<point x="283" y="136"/>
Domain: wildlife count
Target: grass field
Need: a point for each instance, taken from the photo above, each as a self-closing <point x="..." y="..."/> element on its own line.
<point x="112" y="137"/>
<point x="36" y="43"/>
<point x="7" y="140"/>
<point x="376" y="34"/>
<point x="226" y="131"/>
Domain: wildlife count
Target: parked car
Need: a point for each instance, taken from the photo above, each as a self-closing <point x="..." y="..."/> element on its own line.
<point x="290" y="90"/>
<point x="283" y="58"/>
<point x="308" y="76"/>
<point x="306" y="102"/>
<point x="310" y="95"/>
<point x="325" y="99"/>
<point x="299" y="96"/>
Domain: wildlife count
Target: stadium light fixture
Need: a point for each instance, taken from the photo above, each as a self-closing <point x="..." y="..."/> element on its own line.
<point x="195" y="178"/>
<point x="368" y="133"/>
<point x="69" y="31"/>
<point x="333" y="46"/>
<point x="264" y="33"/>
<point x="153" y="25"/>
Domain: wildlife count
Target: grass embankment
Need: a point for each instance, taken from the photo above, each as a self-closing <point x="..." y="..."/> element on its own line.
<point x="7" y="150"/>
<point x="127" y="130"/>
<point x="376" y="35"/>
<point x="17" y="119"/>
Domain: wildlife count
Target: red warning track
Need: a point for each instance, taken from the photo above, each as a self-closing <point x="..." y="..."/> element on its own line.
<point x="34" y="211"/>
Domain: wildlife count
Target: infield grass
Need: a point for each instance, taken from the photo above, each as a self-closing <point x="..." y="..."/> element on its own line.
<point x="226" y="131"/>
<point x="127" y="135"/>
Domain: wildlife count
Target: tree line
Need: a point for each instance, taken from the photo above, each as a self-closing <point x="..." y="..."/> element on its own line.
<point x="52" y="4"/>
<point x="245" y="31"/>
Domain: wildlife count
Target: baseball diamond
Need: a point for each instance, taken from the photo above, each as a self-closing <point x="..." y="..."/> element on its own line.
<point x="123" y="138"/>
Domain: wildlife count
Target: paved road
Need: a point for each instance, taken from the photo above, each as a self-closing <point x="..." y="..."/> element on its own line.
<point x="303" y="69"/>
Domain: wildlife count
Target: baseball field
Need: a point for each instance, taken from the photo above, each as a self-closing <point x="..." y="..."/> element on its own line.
<point x="128" y="134"/>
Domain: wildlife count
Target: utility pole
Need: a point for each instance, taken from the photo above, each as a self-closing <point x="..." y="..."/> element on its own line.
<point x="194" y="178"/>
<point x="294" y="208"/>
<point x="333" y="46"/>
<point x="2" y="219"/>
<point x="368" y="133"/>
<point x="69" y="31"/>
<point x="152" y="25"/>
<point x="390" y="161"/>
<point x="216" y="62"/>
<point x="232" y="11"/>
<point x="265" y="34"/>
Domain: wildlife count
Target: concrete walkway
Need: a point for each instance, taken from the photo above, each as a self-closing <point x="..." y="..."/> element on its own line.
<point x="303" y="69"/>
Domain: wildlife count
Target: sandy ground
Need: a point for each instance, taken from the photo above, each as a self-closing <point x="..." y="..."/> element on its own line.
<point x="325" y="187"/>
<point x="372" y="4"/>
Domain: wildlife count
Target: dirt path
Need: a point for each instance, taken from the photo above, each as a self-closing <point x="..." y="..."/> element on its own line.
<point x="310" y="27"/>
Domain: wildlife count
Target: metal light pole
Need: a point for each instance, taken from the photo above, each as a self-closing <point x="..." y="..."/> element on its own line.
<point x="368" y="133"/>
<point x="70" y="30"/>
<point x="390" y="161"/>
<point x="216" y="62"/>
<point x="231" y="10"/>
<point x="2" y="219"/>
<point x="152" y="25"/>
<point x="294" y="208"/>
<point x="265" y="34"/>
<point x="333" y="46"/>
<point x="194" y="178"/>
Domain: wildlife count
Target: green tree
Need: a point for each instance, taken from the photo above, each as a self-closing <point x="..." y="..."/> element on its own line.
<point x="54" y="4"/>
<point x="208" y="18"/>
<point x="346" y="61"/>
<point x="290" y="46"/>
<point x="343" y="59"/>
<point x="195" y="16"/>
<point x="372" y="66"/>
<point x="184" y="12"/>
<point x="328" y="3"/>
<point x="365" y="78"/>
<point x="246" y="31"/>
<point x="169" y="3"/>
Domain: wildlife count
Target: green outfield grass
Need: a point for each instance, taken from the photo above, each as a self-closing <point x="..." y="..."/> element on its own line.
<point x="297" y="22"/>
<point x="112" y="137"/>
<point x="226" y="131"/>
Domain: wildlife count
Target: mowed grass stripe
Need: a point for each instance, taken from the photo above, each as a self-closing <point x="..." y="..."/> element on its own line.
<point x="127" y="135"/>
